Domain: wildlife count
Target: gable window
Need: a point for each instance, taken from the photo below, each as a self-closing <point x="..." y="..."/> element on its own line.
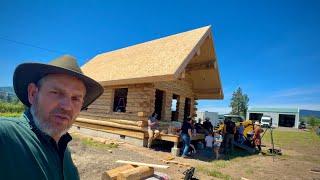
<point x="120" y="100"/>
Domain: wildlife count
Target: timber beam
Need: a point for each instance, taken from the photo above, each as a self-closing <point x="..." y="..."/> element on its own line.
<point x="201" y="66"/>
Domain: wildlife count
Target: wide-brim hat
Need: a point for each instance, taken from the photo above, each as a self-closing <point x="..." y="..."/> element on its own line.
<point x="27" y="73"/>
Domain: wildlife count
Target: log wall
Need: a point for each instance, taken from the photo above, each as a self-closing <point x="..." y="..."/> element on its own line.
<point x="183" y="88"/>
<point x="140" y="98"/>
<point x="140" y="103"/>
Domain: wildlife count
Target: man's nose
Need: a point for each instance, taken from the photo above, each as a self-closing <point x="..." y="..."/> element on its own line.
<point x="66" y="103"/>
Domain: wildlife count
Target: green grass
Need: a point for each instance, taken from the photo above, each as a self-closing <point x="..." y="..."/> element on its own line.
<point x="11" y="109"/>
<point x="6" y="107"/>
<point x="211" y="171"/>
<point x="91" y="143"/>
<point x="299" y="142"/>
<point x="9" y="114"/>
<point x="221" y="164"/>
<point x="292" y="139"/>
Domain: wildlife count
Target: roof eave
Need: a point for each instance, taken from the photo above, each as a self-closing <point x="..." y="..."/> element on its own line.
<point x="141" y="80"/>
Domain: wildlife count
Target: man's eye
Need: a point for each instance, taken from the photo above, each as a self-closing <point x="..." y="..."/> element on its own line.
<point x="76" y="99"/>
<point x="54" y="92"/>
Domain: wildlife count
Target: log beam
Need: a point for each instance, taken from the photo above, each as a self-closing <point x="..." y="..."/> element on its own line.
<point x="201" y="66"/>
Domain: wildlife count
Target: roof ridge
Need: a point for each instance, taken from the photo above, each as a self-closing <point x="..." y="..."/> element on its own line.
<point x="156" y="39"/>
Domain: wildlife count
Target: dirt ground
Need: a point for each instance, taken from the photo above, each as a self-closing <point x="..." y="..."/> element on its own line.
<point x="94" y="157"/>
<point x="93" y="161"/>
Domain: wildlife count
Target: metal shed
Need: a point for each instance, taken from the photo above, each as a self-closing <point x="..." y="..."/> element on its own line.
<point x="281" y="117"/>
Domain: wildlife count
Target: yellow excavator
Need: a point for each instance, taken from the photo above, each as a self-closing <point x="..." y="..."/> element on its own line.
<point x="248" y="131"/>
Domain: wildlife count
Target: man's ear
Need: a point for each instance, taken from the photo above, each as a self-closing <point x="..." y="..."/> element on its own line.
<point x="32" y="92"/>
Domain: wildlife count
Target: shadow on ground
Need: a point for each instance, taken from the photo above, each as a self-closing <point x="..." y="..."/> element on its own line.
<point x="201" y="154"/>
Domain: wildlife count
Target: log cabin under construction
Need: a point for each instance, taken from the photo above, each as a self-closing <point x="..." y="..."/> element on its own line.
<point x="165" y="75"/>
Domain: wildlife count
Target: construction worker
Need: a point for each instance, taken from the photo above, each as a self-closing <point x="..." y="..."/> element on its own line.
<point x="207" y="126"/>
<point x="229" y="130"/>
<point x="256" y="136"/>
<point x="153" y="128"/>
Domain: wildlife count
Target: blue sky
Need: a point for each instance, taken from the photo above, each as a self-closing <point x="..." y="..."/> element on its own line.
<point x="268" y="48"/>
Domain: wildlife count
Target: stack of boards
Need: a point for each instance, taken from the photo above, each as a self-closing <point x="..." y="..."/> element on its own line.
<point x="131" y="171"/>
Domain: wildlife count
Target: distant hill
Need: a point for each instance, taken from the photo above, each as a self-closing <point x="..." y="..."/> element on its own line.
<point x="7" y="94"/>
<point x="7" y="89"/>
<point x="304" y="112"/>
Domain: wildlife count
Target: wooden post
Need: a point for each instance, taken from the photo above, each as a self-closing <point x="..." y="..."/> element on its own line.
<point x="113" y="173"/>
<point x="168" y="102"/>
<point x="181" y="108"/>
<point x="140" y="172"/>
<point x="175" y="150"/>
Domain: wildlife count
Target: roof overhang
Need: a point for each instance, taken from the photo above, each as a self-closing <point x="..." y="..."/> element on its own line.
<point x="204" y="71"/>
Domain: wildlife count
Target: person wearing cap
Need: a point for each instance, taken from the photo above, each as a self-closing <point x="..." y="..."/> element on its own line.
<point x="256" y="135"/>
<point x="35" y="145"/>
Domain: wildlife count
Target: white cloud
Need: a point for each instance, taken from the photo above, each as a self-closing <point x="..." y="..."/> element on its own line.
<point x="307" y="106"/>
<point x="294" y="92"/>
<point x="220" y="110"/>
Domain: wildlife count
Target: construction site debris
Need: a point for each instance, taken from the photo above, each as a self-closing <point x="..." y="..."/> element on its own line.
<point x="113" y="173"/>
<point x="143" y="164"/>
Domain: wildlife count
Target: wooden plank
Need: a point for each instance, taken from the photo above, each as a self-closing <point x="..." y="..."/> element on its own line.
<point x="125" y="132"/>
<point x="106" y="117"/>
<point x="143" y="164"/>
<point x="111" y="124"/>
<point x="176" y="138"/>
<point x="113" y="173"/>
<point x="98" y="106"/>
<point x="176" y="162"/>
<point x="119" y="121"/>
<point x="137" y="173"/>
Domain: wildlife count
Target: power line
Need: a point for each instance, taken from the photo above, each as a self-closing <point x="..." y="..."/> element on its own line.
<point x="31" y="45"/>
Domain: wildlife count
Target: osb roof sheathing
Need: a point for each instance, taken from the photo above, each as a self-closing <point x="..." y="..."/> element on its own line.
<point x="162" y="59"/>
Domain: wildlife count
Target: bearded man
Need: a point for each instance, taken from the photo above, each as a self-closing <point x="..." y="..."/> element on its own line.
<point x="35" y="145"/>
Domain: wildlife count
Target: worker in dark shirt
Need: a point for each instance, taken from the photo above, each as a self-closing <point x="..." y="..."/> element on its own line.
<point x="186" y="133"/>
<point x="229" y="130"/>
<point x="35" y="146"/>
<point x="207" y="126"/>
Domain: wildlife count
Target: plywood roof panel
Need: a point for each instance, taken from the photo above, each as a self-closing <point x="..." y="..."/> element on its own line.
<point x="158" y="60"/>
<point x="154" y="58"/>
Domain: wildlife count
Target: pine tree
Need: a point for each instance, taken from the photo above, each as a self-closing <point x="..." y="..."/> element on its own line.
<point x="239" y="103"/>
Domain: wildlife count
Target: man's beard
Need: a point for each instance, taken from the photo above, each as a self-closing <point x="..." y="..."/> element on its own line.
<point x="45" y="125"/>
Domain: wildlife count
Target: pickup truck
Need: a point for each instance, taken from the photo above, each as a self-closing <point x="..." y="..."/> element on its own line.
<point x="266" y="121"/>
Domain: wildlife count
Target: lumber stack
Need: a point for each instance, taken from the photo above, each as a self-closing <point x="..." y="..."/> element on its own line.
<point x="128" y="172"/>
<point x="131" y="171"/>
